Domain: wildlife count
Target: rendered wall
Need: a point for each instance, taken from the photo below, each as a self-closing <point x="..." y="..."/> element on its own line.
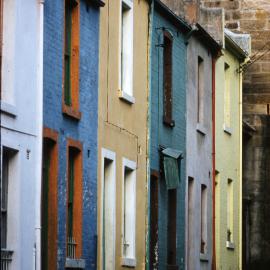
<point x="84" y="130"/>
<point x="20" y="122"/>
<point x="228" y="161"/>
<point x="161" y="135"/>
<point x="123" y="126"/>
<point x="199" y="152"/>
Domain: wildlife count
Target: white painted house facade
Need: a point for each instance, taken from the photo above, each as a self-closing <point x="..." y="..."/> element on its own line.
<point x="21" y="132"/>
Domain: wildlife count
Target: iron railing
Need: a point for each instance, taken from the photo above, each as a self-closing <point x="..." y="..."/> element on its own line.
<point x="6" y="258"/>
<point x="71" y="248"/>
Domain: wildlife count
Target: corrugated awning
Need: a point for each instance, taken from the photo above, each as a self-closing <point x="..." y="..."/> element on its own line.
<point x="171" y="167"/>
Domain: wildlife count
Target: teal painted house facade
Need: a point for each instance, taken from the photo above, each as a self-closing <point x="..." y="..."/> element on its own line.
<point x="167" y="148"/>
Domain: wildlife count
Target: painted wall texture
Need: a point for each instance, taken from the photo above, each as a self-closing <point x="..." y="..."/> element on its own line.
<point x="83" y="130"/>
<point x="199" y="156"/>
<point x="164" y="136"/>
<point x="21" y="138"/>
<point x="228" y="139"/>
<point x="122" y="131"/>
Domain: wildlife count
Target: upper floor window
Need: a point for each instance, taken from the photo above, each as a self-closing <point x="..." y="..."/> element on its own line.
<point x="200" y="92"/>
<point x="126" y="63"/>
<point x="1" y="42"/>
<point x="71" y="59"/>
<point x="227" y="97"/>
<point x="167" y="79"/>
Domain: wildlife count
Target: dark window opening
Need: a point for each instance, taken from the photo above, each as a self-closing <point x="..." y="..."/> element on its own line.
<point x="167" y="80"/>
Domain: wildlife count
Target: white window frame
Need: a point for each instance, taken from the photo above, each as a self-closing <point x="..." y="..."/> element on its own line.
<point x="126" y="48"/>
<point x="107" y="154"/>
<point x="129" y="261"/>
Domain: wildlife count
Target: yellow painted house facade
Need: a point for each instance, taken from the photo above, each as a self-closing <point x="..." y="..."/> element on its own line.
<point x="228" y="153"/>
<point x="122" y="139"/>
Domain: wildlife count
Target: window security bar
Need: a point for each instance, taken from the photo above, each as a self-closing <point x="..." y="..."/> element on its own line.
<point x="6" y="258"/>
<point x="71" y="248"/>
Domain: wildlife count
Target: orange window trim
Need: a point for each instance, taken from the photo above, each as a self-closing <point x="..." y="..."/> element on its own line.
<point x="73" y="110"/>
<point x="77" y="212"/>
<point x="52" y="199"/>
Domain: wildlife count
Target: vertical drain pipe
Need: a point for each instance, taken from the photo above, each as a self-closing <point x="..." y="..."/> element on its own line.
<point x="37" y="247"/>
<point x="214" y="157"/>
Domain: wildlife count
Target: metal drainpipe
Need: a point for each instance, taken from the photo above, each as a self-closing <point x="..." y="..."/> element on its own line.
<point x="37" y="247"/>
<point x="214" y="157"/>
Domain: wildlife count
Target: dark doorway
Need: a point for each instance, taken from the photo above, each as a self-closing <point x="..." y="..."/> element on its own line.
<point x="153" y="247"/>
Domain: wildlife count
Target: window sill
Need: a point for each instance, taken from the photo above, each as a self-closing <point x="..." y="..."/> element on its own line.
<point x="230" y="245"/>
<point x="172" y="267"/>
<point x="99" y="3"/>
<point x="75" y="263"/>
<point x="69" y="111"/>
<point x="129" y="262"/>
<point x="227" y="129"/>
<point x="168" y="122"/>
<point x="126" y="97"/>
<point x="201" y="129"/>
<point x="8" y="109"/>
<point x="204" y="257"/>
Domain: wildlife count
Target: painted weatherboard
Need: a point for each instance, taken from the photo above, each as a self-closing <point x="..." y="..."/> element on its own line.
<point x="229" y="156"/>
<point x="21" y="132"/>
<point x="73" y="127"/>
<point x="122" y="135"/>
<point x="164" y="134"/>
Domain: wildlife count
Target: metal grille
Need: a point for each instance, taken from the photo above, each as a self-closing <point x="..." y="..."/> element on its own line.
<point x="6" y="258"/>
<point x="71" y="248"/>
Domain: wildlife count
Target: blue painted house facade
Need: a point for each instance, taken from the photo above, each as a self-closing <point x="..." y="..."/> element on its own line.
<point x="69" y="188"/>
<point x="166" y="242"/>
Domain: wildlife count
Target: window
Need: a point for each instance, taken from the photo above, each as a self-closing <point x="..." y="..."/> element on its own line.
<point x="7" y="221"/>
<point x="71" y="59"/>
<point x="74" y="200"/>
<point x="190" y="215"/>
<point x="4" y="198"/>
<point x="227" y="97"/>
<point x="200" y="101"/>
<point x="129" y="212"/>
<point x="126" y="72"/>
<point x="230" y="211"/>
<point x="203" y="219"/>
<point x="1" y="42"/>
<point x="108" y="209"/>
<point x="49" y="200"/>
<point x="167" y="80"/>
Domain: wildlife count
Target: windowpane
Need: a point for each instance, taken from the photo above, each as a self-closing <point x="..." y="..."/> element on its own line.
<point x="129" y="212"/>
<point x="200" y="101"/>
<point x="127" y="46"/>
<point x="167" y="77"/>
<point x="68" y="36"/>
<point x="203" y="219"/>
